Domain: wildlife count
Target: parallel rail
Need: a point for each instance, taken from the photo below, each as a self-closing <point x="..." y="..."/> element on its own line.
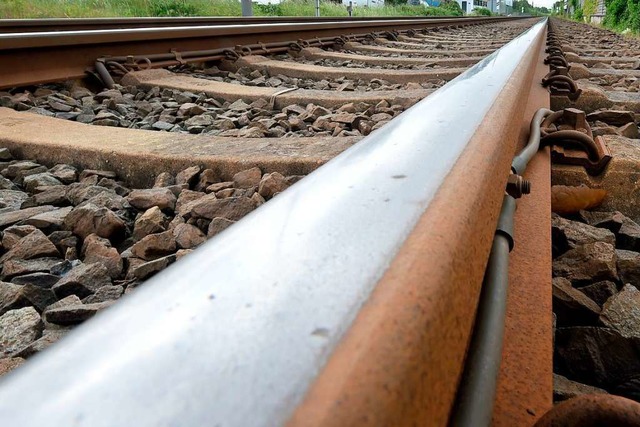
<point x="349" y="299"/>
<point x="45" y="56"/>
<point x="75" y="24"/>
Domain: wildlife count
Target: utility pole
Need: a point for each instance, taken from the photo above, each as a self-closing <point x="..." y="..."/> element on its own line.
<point x="317" y="8"/>
<point x="247" y="8"/>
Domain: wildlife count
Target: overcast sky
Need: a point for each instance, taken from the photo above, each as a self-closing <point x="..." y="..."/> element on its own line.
<point x="546" y="3"/>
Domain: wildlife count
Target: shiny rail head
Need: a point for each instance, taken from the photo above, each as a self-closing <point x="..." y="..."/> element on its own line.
<point x="235" y="333"/>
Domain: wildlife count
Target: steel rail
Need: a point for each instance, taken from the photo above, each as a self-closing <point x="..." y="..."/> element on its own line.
<point x="66" y="24"/>
<point x="38" y="57"/>
<point x="252" y="328"/>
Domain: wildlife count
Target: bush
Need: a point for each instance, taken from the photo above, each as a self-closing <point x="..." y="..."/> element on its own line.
<point x="451" y="8"/>
<point x="578" y="15"/>
<point x="481" y="11"/>
<point x="173" y="8"/>
<point x="623" y="14"/>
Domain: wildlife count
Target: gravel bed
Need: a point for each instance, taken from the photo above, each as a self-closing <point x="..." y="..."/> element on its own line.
<point x="596" y="304"/>
<point x="408" y="55"/>
<point x="614" y="122"/>
<point x="185" y="112"/>
<point x="348" y="63"/>
<point x="617" y="83"/>
<point x="75" y="241"/>
<point x="249" y="77"/>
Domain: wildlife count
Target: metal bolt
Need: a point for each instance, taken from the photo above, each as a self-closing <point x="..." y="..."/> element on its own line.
<point x="517" y="186"/>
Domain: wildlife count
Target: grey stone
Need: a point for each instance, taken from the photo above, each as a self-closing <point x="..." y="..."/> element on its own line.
<point x="55" y="195"/>
<point x="8" y="364"/>
<point x="64" y="302"/>
<point x="247" y="178"/>
<point x="600" y="292"/>
<point x="38" y="296"/>
<point x="20" y="166"/>
<point x="188" y="176"/>
<point x="587" y="263"/>
<point x="52" y="220"/>
<point x="184" y="203"/>
<point x="152" y="221"/>
<point x="231" y="208"/>
<point x="213" y="188"/>
<point x="89" y="219"/>
<point x="187" y="236"/>
<point x="628" y="236"/>
<point x="18" y="328"/>
<point x="81" y="192"/>
<point x="18" y="267"/>
<point x="5" y="154"/>
<point x="155" y="246"/>
<point x="33" y="245"/>
<point x="11" y="297"/>
<point x="207" y="177"/>
<point x="571" y="306"/>
<point x="74" y="314"/>
<point x="612" y="221"/>
<point x="99" y="250"/>
<point x="568" y="234"/>
<point x="11" y="200"/>
<point x="9" y="218"/>
<point x="165" y="179"/>
<point x="622" y="312"/>
<point x="147" y="269"/>
<point x="13" y="234"/>
<point x="6" y="184"/>
<point x="163" y="198"/>
<point x="42" y="280"/>
<point x="64" y="173"/>
<point x="272" y="183"/>
<point x="628" y="265"/>
<point x="49" y="337"/>
<point x="39" y="180"/>
<point x="106" y="293"/>
<point x="596" y="356"/>
<point x="612" y="117"/>
<point x="564" y="389"/>
<point x="83" y="280"/>
<point x="217" y="225"/>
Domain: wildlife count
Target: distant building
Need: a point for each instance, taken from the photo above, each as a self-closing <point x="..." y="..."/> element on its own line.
<point x="503" y="7"/>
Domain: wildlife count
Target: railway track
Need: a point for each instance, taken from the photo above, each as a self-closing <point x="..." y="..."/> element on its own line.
<point x="358" y="296"/>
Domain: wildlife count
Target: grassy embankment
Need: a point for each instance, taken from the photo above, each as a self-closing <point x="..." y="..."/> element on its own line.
<point x="129" y="8"/>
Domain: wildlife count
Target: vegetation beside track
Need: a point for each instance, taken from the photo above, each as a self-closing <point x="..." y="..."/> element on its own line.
<point x="13" y="9"/>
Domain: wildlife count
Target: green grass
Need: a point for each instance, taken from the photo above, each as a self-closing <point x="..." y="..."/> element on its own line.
<point x="12" y="9"/>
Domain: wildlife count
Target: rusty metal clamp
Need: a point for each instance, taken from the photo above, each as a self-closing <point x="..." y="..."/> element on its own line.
<point x="178" y="57"/>
<point x="295" y="47"/>
<point x="556" y="60"/>
<point x="340" y="41"/>
<point x="572" y="142"/>
<point x="391" y="35"/>
<point x="231" y="55"/>
<point x="562" y="85"/>
<point x="243" y="50"/>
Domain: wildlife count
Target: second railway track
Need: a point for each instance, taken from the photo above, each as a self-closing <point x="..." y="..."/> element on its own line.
<point x="350" y="297"/>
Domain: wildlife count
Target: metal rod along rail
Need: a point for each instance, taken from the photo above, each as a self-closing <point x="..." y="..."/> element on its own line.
<point x="349" y="297"/>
